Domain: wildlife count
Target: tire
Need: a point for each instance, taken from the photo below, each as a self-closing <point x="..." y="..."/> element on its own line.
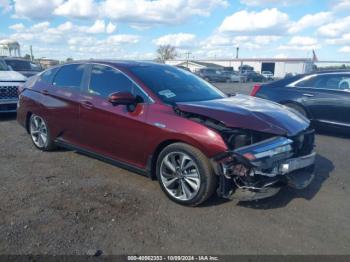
<point x="195" y="168"/>
<point x="297" y="108"/>
<point x="40" y="134"/>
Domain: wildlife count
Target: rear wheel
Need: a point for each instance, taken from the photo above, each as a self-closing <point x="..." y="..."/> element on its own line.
<point x="185" y="174"/>
<point x="40" y="134"/>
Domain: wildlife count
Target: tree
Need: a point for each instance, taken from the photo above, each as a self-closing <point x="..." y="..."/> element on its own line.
<point x="166" y="52"/>
<point x="69" y="59"/>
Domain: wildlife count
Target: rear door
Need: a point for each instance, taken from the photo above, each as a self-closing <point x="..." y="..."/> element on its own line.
<point x="327" y="96"/>
<point x="62" y="102"/>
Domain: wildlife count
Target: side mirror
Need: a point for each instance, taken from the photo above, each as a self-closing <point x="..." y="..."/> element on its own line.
<point x="122" y="98"/>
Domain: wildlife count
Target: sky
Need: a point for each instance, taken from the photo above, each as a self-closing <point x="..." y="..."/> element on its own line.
<point x="133" y="29"/>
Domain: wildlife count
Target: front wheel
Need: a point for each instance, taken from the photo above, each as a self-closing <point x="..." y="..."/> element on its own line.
<point x="185" y="174"/>
<point x="40" y="134"/>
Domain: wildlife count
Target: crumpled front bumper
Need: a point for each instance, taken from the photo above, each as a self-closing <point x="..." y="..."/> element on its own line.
<point x="260" y="170"/>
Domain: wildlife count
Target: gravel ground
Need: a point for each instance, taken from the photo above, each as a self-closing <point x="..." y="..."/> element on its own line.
<point x="66" y="203"/>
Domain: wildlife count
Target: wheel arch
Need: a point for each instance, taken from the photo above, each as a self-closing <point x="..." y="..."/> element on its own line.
<point x="152" y="159"/>
<point x="28" y="115"/>
<point x="308" y="113"/>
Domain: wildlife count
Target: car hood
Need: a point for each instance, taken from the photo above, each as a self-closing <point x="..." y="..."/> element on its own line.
<point x="251" y="113"/>
<point x="11" y="76"/>
<point x="29" y="73"/>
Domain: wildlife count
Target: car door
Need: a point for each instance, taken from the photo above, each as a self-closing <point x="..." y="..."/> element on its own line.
<point x="62" y="102"/>
<point x="112" y="131"/>
<point x="327" y="97"/>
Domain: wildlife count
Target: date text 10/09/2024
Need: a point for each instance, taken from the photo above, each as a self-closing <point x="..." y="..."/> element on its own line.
<point x="173" y="258"/>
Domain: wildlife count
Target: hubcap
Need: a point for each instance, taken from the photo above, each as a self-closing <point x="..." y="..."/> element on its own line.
<point x="38" y="131"/>
<point x="180" y="176"/>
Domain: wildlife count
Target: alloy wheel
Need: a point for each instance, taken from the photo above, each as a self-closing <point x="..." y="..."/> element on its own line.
<point x="38" y="131"/>
<point x="180" y="176"/>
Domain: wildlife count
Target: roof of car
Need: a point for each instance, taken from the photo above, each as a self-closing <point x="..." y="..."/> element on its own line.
<point x="118" y="63"/>
<point x="15" y="58"/>
<point x="286" y="81"/>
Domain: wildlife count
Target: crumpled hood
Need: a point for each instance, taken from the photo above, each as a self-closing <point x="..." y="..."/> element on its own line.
<point x="11" y="76"/>
<point x="249" y="112"/>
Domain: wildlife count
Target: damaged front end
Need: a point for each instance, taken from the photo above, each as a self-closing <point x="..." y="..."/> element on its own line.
<point x="268" y="145"/>
<point x="260" y="169"/>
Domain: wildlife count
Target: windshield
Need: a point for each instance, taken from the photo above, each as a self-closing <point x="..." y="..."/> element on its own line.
<point x="174" y="85"/>
<point x="3" y="66"/>
<point x="20" y="65"/>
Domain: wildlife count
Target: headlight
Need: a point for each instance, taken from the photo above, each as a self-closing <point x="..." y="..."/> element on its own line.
<point x="267" y="148"/>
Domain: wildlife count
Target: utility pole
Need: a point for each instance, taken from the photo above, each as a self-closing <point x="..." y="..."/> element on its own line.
<point x="31" y="53"/>
<point x="187" y="57"/>
<point x="237" y="51"/>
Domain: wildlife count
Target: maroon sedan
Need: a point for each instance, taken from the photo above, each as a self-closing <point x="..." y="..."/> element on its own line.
<point x="168" y="124"/>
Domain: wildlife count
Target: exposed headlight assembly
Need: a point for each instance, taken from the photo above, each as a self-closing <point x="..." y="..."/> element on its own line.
<point x="265" y="149"/>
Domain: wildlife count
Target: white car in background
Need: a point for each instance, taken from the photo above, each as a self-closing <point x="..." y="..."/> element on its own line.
<point x="9" y="83"/>
<point x="268" y="75"/>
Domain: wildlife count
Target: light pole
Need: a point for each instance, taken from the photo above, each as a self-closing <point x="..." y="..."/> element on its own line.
<point x="187" y="57"/>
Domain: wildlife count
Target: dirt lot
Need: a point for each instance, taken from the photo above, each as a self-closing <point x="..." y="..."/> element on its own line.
<point x="66" y="203"/>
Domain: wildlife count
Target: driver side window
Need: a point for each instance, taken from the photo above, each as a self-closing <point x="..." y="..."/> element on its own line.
<point x="106" y="80"/>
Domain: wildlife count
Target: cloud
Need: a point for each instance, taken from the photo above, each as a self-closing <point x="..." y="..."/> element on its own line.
<point x="303" y="43"/>
<point x="177" y="40"/>
<point x="132" y="11"/>
<point x="77" y="9"/>
<point x="157" y="12"/>
<point x="343" y="40"/>
<point x="344" y="49"/>
<point x="17" y="27"/>
<point x="269" y="2"/>
<point x="98" y="27"/>
<point x="5" y="6"/>
<point x="311" y="20"/>
<point x="38" y="9"/>
<point x="341" y="6"/>
<point x="84" y="41"/>
<point x="268" y="21"/>
<point x="110" y="28"/>
<point x="335" y="29"/>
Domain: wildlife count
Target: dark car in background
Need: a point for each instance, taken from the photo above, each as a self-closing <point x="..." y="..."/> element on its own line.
<point x="323" y="97"/>
<point x="213" y="75"/>
<point x="23" y="66"/>
<point x="252" y="76"/>
<point x="167" y="123"/>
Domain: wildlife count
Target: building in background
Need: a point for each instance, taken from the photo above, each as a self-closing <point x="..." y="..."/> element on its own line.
<point x="10" y="47"/>
<point x="278" y="66"/>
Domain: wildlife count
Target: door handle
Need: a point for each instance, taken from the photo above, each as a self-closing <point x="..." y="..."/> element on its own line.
<point x="45" y="92"/>
<point x="86" y="104"/>
<point x="308" y="95"/>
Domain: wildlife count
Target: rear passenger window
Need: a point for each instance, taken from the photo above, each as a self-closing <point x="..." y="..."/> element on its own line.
<point x="69" y="76"/>
<point x="48" y="75"/>
<point x="106" y="80"/>
<point x="328" y="81"/>
<point x="308" y="82"/>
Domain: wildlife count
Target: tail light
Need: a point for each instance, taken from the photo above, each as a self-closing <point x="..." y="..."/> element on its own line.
<point x="255" y="90"/>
